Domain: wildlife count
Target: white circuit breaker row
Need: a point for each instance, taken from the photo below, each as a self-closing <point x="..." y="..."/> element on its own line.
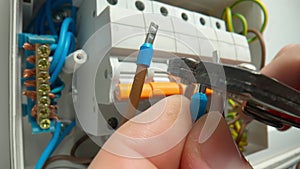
<point x="123" y="25"/>
<point x="108" y="29"/>
<point x="180" y="30"/>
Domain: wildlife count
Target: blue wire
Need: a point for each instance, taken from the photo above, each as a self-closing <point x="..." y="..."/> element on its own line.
<point x="37" y="20"/>
<point x="42" y="25"/>
<point x="62" y="58"/>
<point x="58" y="89"/>
<point x="57" y="97"/>
<point x="73" y="14"/>
<point x="50" y="147"/>
<point x="57" y="3"/>
<point x="66" y="132"/>
<point x="53" y="47"/>
<point x="49" y="17"/>
<point x="29" y="26"/>
<point x="60" y="46"/>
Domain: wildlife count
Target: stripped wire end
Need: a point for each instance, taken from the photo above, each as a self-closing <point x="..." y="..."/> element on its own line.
<point x="28" y="46"/>
<point x="31" y="59"/>
<point x="29" y="73"/>
<point x="151" y="33"/>
<point x="30" y="83"/>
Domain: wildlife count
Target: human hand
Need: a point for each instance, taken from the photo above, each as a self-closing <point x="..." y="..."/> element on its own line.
<point x="206" y="144"/>
<point x="216" y="150"/>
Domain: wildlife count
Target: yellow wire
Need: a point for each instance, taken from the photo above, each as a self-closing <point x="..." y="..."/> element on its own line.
<point x="227" y="16"/>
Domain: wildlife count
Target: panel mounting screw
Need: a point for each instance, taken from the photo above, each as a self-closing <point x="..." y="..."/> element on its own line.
<point x="113" y="122"/>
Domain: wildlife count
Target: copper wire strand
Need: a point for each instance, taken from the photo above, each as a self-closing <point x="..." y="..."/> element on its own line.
<point x="262" y="46"/>
<point x="53" y="114"/>
<point x="31" y="59"/>
<point x="34" y="111"/>
<point x="52" y="96"/>
<point x="77" y="144"/>
<point x="77" y="160"/>
<point x="28" y="46"/>
<point x="29" y="73"/>
<point x="30" y="83"/>
<point x="30" y="94"/>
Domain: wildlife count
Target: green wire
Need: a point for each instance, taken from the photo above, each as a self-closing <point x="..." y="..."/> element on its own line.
<point x="227" y="15"/>
<point x="263" y="8"/>
<point x="243" y="21"/>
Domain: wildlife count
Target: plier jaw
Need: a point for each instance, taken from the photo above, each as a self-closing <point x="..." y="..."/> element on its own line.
<point x="264" y="99"/>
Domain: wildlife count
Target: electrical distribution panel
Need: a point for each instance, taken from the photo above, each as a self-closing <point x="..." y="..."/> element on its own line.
<point x="100" y="53"/>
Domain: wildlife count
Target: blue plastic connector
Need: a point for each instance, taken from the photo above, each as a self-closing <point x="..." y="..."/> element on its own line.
<point x="145" y="54"/>
<point x="198" y="105"/>
<point x="34" y="39"/>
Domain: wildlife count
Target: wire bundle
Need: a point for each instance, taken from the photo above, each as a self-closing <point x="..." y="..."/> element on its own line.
<point x="72" y="156"/>
<point x="55" y="17"/>
<point x="237" y="124"/>
<point x="56" y="139"/>
<point x="228" y="16"/>
<point x="43" y="22"/>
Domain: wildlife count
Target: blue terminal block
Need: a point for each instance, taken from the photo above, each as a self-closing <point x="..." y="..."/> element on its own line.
<point x="26" y="109"/>
<point x="198" y="105"/>
<point x="35" y="39"/>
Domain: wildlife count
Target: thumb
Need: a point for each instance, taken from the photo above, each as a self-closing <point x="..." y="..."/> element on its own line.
<point x="209" y="145"/>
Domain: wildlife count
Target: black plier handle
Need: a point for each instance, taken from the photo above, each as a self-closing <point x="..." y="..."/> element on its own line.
<point x="265" y="98"/>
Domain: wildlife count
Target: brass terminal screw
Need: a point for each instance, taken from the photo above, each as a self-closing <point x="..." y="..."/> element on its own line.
<point x="45" y="100"/>
<point x="44" y="112"/>
<point x="45" y="124"/>
<point x="43" y="74"/>
<point x="43" y="90"/>
<point x="43" y="64"/>
<point x="43" y="51"/>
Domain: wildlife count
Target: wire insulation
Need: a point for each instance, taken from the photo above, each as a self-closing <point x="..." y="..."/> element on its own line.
<point x="262" y="46"/>
<point x="77" y="160"/>
<point x="50" y="147"/>
<point x="62" y="58"/>
<point x="77" y="144"/>
<point x="61" y="41"/>
<point x="135" y="93"/>
<point x="228" y="14"/>
<point x="66" y="132"/>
